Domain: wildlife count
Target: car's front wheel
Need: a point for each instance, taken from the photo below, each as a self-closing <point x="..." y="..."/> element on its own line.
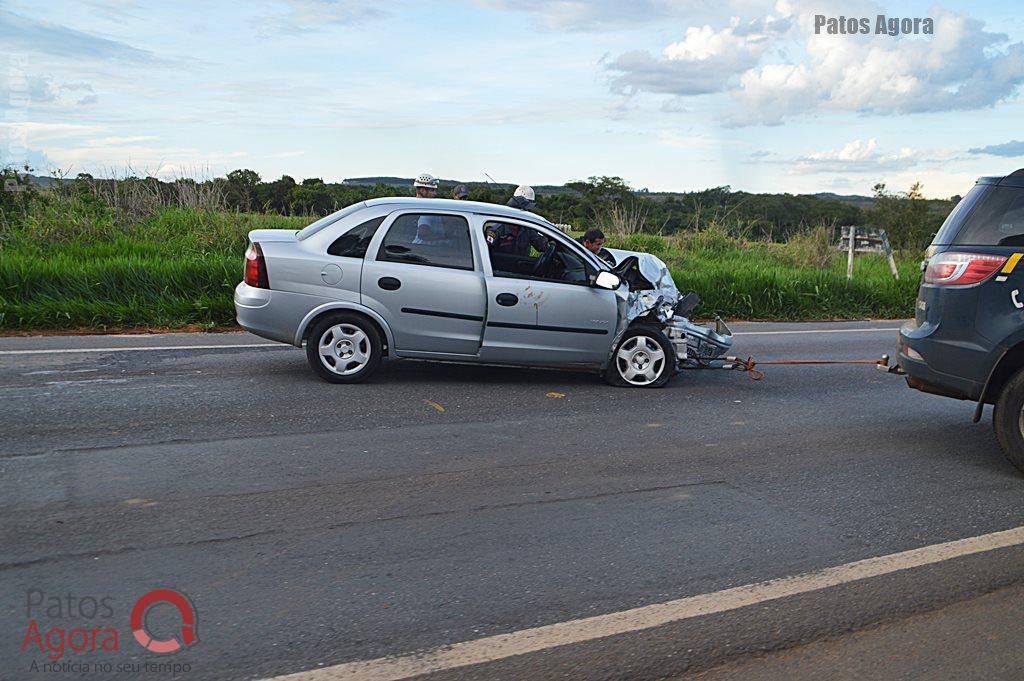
<point x="644" y="359"/>
<point x="1008" y="419"/>
<point x="344" y="348"/>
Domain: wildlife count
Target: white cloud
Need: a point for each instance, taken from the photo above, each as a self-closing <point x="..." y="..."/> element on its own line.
<point x="858" y="156"/>
<point x="702" y="62"/>
<point x="43" y="90"/>
<point x="303" y="16"/>
<point x="47" y="131"/>
<point x="18" y="33"/>
<point x="1011" y="149"/>
<point x="961" y="67"/>
<point x="599" y="15"/>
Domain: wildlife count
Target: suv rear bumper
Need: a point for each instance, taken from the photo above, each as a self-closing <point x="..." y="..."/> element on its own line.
<point x="914" y="347"/>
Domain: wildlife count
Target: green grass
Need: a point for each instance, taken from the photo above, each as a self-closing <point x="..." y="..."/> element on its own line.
<point x="801" y="280"/>
<point x="71" y="264"/>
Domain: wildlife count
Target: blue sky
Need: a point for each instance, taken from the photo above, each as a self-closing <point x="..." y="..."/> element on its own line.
<point x="669" y="94"/>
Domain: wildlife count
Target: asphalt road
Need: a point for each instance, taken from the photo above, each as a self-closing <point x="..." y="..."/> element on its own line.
<point x="314" y="525"/>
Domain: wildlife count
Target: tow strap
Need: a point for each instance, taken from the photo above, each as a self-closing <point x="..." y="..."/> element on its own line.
<point x="750" y="364"/>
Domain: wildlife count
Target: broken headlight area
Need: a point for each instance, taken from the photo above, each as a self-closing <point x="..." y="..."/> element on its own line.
<point x="653" y="298"/>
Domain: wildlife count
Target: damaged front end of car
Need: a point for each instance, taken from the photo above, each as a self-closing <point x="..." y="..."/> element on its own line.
<point x="654" y="299"/>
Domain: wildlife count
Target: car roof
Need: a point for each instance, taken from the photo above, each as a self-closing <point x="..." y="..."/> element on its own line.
<point x="1014" y="179"/>
<point x="464" y="206"/>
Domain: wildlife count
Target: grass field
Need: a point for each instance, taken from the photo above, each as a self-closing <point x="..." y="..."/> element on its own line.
<point x="73" y="264"/>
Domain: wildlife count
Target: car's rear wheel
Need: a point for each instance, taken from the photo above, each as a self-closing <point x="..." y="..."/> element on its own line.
<point x="1008" y="419"/>
<point x="344" y="348"/>
<point x="644" y="359"/>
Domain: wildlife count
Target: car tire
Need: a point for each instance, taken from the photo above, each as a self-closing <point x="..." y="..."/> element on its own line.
<point x="344" y="348"/>
<point x="637" y="362"/>
<point x="1008" y="419"/>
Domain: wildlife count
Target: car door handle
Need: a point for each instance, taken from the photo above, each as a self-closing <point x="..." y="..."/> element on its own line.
<point x="389" y="283"/>
<point x="507" y="299"/>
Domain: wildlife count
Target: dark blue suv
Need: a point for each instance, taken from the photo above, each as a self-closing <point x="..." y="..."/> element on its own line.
<point x="967" y="338"/>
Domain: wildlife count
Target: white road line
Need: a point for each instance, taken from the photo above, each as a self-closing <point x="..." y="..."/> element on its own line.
<point x="783" y="333"/>
<point x="140" y="348"/>
<point x="282" y="345"/>
<point x="498" y="647"/>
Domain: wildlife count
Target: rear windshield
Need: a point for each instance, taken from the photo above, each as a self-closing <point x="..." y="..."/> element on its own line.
<point x="955" y="220"/>
<point x="996" y="220"/>
<point x="328" y="220"/>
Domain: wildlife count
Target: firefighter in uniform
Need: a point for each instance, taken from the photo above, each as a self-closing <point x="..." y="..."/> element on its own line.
<point x="503" y="237"/>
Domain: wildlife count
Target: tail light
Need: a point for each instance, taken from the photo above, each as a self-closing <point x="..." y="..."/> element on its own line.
<point x="961" y="269"/>
<point x="256" y="267"/>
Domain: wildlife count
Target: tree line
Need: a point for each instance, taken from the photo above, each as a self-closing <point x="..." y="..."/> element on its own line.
<point x="607" y="202"/>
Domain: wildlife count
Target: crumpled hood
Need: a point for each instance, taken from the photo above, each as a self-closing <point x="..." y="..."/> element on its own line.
<point x="655" y="271"/>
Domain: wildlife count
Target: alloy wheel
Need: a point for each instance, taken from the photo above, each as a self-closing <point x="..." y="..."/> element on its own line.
<point x="344" y="349"/>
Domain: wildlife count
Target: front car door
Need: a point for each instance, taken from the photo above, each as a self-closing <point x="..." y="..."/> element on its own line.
<point x="421" y="276"/>
<point x="551" y="317"/>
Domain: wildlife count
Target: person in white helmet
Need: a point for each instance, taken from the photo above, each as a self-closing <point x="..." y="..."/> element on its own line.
<point x="429" y="228"/>
<point x="503" y="237"/>
<point x="524" y="198"/>
<point x="426" y="186"/>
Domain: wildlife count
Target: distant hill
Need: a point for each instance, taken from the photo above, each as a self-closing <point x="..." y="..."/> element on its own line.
<point x="407" y="182"/>
<point x="44" y="182"/>
<point x="852" y="199"/>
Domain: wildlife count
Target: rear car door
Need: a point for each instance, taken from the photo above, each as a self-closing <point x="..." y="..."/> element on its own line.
<point x="543" y="318"/>
<point x="422" y="278"/>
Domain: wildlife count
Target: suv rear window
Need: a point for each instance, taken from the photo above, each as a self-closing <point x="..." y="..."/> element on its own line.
<point x="997" y="219"/>
<point x="955" y="220"/>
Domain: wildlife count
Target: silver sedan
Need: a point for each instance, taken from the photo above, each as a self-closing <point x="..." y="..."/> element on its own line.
<point x="465" y="282"/>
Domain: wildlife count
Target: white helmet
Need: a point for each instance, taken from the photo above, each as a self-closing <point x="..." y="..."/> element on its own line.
<point x="425" y="180"/>
<point x="525" y="192"/>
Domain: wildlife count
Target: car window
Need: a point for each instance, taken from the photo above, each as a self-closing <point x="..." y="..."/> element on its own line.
<point x="354" y="242"/>
<point x="523" y="252"/>
<point x="428" y="239"/>
<point x="997" y="220"/>
<point x="328" y="220"/>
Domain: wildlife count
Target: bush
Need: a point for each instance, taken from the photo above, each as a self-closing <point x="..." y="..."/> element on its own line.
<point x="72" y="260"/>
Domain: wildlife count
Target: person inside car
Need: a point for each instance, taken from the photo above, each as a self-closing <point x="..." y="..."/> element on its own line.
<point x="503" y="237"/>
<point x="593" y="241"/>
<point x="430" y="231"/>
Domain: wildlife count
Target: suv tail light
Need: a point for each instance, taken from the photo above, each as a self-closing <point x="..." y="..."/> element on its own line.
<point x="961" y="269"/>
<point x="256" y="267"/>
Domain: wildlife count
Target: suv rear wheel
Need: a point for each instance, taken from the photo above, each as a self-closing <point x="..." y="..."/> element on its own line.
<point x="644" y="359"/>
<point x="344" y="348"/>
<point x="1008" y="419"/>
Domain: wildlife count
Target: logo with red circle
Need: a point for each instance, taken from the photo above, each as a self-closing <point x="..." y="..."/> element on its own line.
<point x="186" y="610"/>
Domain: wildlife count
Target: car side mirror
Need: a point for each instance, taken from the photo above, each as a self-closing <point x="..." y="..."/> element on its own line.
<point x="607" y="280"/>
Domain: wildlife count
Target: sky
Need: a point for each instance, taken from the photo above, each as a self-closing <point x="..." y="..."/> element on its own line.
<point x="671" y="95"/>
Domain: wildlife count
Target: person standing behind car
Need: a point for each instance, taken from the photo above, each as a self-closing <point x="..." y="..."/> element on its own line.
<point x="593" y="241"/>
<point x="524" y="198"/>
<point x="429" y="228"/>
<point x="460" y="193"/>
<point x="503" y="237"/>
<point x="426" y="186"/>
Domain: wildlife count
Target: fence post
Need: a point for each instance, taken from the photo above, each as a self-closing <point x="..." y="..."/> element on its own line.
<point x="849" y="252"/>
<point x="888" y="254"/>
